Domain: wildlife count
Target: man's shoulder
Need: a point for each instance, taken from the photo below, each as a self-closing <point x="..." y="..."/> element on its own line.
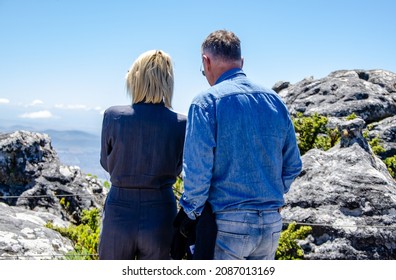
<point x="232" y="87"/>
<point x="257" y="87"/>
<point x="204" y="98"/>
<point x="215" y="92"/>
<point x="261" y="89"/>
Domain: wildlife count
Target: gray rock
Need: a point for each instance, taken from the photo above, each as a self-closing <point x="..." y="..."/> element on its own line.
<point x="352" y="133"/>
<point x="369" y="94"/>
<point x="280" y="86"/>
<point x="23" y="235"/>
<point x="32" y="177"/>
<point x="385" y="130"/>
<point x="39" y="189"/>
<point x="348" y="197"/>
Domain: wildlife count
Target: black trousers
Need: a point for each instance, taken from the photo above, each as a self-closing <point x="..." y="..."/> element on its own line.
<point x="137" y="224"/>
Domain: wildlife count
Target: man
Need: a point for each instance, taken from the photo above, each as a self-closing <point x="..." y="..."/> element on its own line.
<point x="240" y="155"/>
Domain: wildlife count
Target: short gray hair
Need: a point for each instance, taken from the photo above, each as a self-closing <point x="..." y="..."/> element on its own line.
<point x="224" y="44"/>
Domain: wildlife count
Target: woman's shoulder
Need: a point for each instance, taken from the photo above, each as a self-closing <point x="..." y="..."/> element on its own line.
<point x="180" y="116"/>
<point x="118" y="110"/>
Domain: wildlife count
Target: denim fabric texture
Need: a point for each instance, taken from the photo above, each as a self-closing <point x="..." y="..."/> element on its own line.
<point x="251" y="235"/>
<point x="240" y="151"/>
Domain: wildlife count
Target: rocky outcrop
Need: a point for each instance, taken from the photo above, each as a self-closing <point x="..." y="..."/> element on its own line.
<point x="369" y="94"/>
<point x="348" y="197"/>
<point x="346" y="194"/>
<point x="23" y="235"/>
<point x="34" y="184"/>
<point x="31" y="176"/>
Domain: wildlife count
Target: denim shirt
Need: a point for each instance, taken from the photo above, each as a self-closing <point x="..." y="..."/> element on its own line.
<point x="240" y="151"/>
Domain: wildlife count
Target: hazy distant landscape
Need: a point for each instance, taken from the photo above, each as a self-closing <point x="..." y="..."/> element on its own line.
<point x="74" y="147"/>
<point x="78" y="148"/>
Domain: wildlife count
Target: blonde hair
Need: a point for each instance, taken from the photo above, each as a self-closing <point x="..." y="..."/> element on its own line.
<point x="150" y="78"/>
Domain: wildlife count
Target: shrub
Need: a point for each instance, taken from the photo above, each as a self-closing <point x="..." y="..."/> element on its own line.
<point x="391" y="164"/>
<point x="376" y="146"/>
<point x="178" y="188"/>
<point x="351" y="117"/>
<point x="312" y="132"/>
<point x="288" y="248"/>
<point x="106" y="184"/>
<point x="374" y="143"/>
<point x="84" y="236"/>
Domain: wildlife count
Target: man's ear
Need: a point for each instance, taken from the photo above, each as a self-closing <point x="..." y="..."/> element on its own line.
<point x="207" y="60"/>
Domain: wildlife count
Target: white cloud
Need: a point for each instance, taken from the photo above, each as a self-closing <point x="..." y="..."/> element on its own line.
<point x="37" y="115"/>
<point x="35" y="102"/>
<point x="4" y="101"/>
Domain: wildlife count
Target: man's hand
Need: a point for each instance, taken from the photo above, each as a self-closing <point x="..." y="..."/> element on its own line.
<point x="184" y="223"/>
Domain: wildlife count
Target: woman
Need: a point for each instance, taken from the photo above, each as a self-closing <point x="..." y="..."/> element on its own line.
<point x="142" y="149"/>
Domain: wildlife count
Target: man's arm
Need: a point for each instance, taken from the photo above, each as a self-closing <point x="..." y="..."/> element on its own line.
<point x="292" y="163"/>
<point x="198" y="160"/>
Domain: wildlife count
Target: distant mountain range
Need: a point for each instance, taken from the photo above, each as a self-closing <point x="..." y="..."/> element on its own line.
<point x="74" y="147"/>
<point x="78" y="148"/>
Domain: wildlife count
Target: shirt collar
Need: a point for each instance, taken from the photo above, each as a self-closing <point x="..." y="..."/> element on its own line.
<point x="230" y="74"/>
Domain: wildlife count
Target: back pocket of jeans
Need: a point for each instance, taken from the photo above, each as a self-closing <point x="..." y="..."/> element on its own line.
<point x="232" y="244"/>
<point x="275" y="240"/>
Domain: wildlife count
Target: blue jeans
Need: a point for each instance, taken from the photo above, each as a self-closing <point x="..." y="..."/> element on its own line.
<point x="247" y="234"/>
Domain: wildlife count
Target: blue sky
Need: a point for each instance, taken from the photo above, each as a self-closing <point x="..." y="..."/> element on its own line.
<point x="62" y="62"/>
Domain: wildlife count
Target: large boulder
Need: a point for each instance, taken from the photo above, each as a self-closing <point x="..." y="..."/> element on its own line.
<point x="348" y="198"/>
<point x="23" y="235"/>
<point x="36" y="188"/>
<point x="32" y="177"/>
<point x="369" y="94"/>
